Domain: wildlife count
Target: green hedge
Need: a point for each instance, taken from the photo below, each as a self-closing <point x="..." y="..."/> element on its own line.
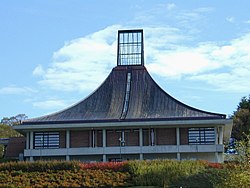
<point x="161" y="173"/>
<point x="64" y="178"/>
<point x="39" y="166"/>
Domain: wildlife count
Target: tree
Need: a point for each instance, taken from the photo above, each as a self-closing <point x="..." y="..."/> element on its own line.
<point x="244" y="103"/>
<point x="14" y="120"/>
<point x="243" y="148"/>
<point x="241" y="117"/>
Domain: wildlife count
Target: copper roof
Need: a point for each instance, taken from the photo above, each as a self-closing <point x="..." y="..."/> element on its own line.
<point x="118" y="99"/>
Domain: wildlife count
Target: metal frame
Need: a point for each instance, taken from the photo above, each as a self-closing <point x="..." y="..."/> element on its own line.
<point x="130" y="49"/>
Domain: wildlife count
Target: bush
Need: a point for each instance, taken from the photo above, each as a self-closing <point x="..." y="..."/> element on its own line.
<point x="162" y="173"/>
<point x="39" y="166"/>
<point x="114" y="166"/>
<point x="64" y="178"/>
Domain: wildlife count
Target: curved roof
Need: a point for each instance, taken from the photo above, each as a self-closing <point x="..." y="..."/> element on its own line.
<point x="128" y="94"/>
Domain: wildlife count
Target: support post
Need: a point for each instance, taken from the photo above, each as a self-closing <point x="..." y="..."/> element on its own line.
<point x="221" y="135"/>
<point x="31" y="140"/>
<point x="67" y="138"/>
<point x="141" y="156"/>
<point x="104" y="156"/>
<point x="141" y="143"/>
<point x="27" y="140"/>
<point x="31" y="144"/>
<point x="67" y="144"/>
<point x="178" y="155"/>
<point x="104" y="138"/>
<point x="140" y="137"/>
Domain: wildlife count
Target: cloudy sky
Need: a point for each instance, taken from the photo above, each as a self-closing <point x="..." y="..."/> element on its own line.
<point x="54" y="53"/>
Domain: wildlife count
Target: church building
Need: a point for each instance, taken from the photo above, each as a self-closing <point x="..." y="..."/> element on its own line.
<point x="128" y="117"/>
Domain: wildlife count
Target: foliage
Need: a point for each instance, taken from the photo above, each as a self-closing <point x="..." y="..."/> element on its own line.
<point x="114" y="166"/>
<point x="244" y="103"/>
<point x="242" y="119"/>
<point x="243" y="148"/>
<point x="64" y="178"/>
<point x="7" y="131"/>
<point x="162" y="173"/>
<point x="14" y="120"/>
<point x="238" y="176"/>
<point x="39" y="166"/>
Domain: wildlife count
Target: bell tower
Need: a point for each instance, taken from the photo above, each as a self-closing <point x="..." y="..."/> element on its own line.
<point x="130" y="48"/>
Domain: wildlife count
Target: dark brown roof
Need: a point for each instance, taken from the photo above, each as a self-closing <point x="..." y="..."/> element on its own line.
<point x="146" y="102"/>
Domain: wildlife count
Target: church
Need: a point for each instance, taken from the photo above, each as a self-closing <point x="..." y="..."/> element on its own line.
<point x="128" y="117"/>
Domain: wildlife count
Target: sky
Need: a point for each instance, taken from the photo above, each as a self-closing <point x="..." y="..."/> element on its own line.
<point x="54" y="53"/>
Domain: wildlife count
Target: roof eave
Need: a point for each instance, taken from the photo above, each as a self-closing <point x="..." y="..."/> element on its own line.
<point x="174" y="123"/>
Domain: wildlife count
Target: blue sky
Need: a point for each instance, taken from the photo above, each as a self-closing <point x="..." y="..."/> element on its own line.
<point x="54" y="53"/>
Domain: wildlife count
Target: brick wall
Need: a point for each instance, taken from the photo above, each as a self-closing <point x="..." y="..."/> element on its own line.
<point x="146" y="137"/>
<point x="79" y="139"/>
<point x="183" y="136"/>
<point x="15" y="146"/>
<point x="62" y="139"/>
<point x="132" y="137"/>
<point x="99" y="138"/>
<point x="113" y="138"/>
<point x="166" y="136"/>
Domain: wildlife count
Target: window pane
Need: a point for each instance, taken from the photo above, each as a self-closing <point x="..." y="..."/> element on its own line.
<point x="201" y="136"/>
<point x="46" y="140"/>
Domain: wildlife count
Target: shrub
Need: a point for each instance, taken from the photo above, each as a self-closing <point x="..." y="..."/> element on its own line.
<point x="163" y="172"/>
<point x="39" y="166"/>
<point x="64" y="178"/>
<point x="114" y="166"/>
<point x="236" y="179"/>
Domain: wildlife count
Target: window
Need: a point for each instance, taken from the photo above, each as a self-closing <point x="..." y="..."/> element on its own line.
<point x="130" y="47"/>
<point x="46" y="140"/>
<point x="201" y="136"/>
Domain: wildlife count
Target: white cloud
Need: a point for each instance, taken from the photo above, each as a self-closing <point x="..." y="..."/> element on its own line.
<point x="38" y="71"/>
<point x="50" y="104"/>
<point x="83" y="63"/>
<point x="234" y="70"/>
<point x="13" y="90"/>
<point x="230" y="19"/>
<point x="170" y="6"/>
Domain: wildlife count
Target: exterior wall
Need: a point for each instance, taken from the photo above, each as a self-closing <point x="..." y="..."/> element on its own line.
<point x="157" y="143"/>
<point x="200" y="156"/>
<point x="183" y="136"/>
<point x="62" y="139"/>
<point x="166" y="136"/>
<point x="95" y="138"/>
<point x="79" y="139"/>
<point x="87" y="158"/>
<point x="113" y="138"/>
<point x="146" y="137"/>
<point x="160" y="156"/>
<point x="99" y="138"/>
<point x="15" y="146"/>
<point x="132" y="137"/>
<point x="115" y="158"/>
<point x="49" y="158"/>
